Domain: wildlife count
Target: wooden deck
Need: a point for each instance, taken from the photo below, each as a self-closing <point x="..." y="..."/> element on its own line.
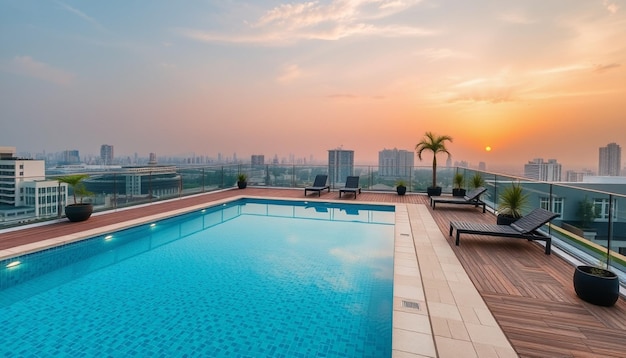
<point x="529" y="293"/>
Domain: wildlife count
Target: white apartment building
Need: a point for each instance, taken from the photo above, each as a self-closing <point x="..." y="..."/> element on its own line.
<point x="340" y="165"/>
<point x="538" y="169"/>
<point x="25" y="193"/>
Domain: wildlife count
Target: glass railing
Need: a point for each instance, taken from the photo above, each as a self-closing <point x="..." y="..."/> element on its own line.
<point x="600" y="238"/>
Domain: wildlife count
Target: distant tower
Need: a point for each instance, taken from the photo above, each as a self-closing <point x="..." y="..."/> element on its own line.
<point x="106" y="154"/>
<point x="394" y="163"/>
<point x="610" y="160"/>
<point x="257" y="159"/>
<point x="340" y="165"/>
<point x="153" y="159"/>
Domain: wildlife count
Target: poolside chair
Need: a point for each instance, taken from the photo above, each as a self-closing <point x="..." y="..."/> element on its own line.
<point x="318" y="185"/>
<point x="352" y="186"/>
<point x="471" y="198"/>
<point x="524" y="228"/>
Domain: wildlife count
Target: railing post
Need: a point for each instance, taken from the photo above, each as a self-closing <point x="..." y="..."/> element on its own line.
<point x="115" y="190"/>
<point x="59" y="200"/>
<point x="609" y="232"/>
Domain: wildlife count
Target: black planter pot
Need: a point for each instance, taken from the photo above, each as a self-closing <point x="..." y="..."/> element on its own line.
<point x="433" y="191"/>
<point x="505" y="220"/>
<point x="601" y="290"/>
<point x="242" y="184"/>
<point x="401" y="189"/>
<point x="458" y="192"/>
<point x="78" y="212"/>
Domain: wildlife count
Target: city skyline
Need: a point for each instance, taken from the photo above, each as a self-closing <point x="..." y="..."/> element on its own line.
<point x="528" y="80"/>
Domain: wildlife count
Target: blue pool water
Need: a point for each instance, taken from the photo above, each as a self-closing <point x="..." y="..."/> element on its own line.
<point x="250" y="278"/>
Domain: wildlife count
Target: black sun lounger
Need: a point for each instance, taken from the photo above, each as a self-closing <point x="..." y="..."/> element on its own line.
<point x="526" y="227"/>
<point x="471" y="198"/>
<point x="318" y="185"/>
<point x="352" y="186"/>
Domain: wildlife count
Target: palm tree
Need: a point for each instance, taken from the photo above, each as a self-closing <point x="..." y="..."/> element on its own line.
<point x="435" y="144"/>
<point x="512" y="201"/>
<point x="75" y="181"/>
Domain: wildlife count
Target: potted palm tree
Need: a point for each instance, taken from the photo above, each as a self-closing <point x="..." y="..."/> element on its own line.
<point x="436" y="144"/>
<point x="477" y="180"/>
<point x="401" y="187"/>
<point x="458" y="181"/>
<point x="512" y="202"/>
<point x="242" y="181"/>
<point x="79" y="211"/>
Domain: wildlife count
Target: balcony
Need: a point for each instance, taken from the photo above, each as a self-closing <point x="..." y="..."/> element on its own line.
<point x="529" y="294"/>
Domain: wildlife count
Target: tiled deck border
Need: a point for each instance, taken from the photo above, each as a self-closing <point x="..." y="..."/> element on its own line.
<point x="437" y="311"/>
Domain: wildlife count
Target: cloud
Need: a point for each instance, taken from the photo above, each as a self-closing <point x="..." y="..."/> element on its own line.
<point x="288" y="23"/>
<point x="516" y="18"/>
<point x="497" y="89"/>
<point x="27" y="66"/>
<point x="82" y="15"/>
<point x="342" y="96"/>
<point x="604" y="68"/>
<point x="610" y="6"/>
<point x="442" y="53"/>
<point x="561" y="69"/>
<point x="491" y="95"/>
<point x="289" y="74"/>
<point x="168" y="66"/>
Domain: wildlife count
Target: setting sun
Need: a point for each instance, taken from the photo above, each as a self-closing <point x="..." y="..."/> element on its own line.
<point x="488" y="148"/>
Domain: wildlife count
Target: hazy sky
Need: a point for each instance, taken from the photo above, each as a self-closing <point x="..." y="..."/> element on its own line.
<point x="531" y="78"/>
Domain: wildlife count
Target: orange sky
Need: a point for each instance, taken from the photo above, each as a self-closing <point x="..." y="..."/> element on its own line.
<point x="530" y="79"/>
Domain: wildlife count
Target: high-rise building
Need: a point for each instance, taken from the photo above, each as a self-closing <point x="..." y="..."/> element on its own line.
<point x="26" y="193"/>
<point x="340" y="165"/>
<point x="106" y="154"/>
<point x="152" y="159"/>
<point x="395" y="163"/>
<point x="70" y="157"/>
<point x="257" y="159"/>
<point x="538" y="169"/>
<point x="577" y="176"/>
<point x="610" y="161"/>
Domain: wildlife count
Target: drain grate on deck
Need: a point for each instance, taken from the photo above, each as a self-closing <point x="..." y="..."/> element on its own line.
<point x="409" y="304"/>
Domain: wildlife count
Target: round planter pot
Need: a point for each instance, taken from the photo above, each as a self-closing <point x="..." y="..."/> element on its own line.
<point x="78" y="212"/>
<point x="433" y="191"/>
<point x="505" y="220"/>
<point x="401" y="189"/>
<point x="458" y="192"/>
<point x="242" y="184"/>
<point x="601" y="290"/>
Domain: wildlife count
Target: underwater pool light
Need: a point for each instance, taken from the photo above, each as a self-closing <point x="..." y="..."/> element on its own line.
<point x="13" y="264"/>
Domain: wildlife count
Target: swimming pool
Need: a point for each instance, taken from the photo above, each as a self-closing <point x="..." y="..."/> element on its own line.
<point x="248" y="278"/>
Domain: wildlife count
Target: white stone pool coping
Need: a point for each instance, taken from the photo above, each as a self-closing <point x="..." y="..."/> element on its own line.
<point x="437" y="311"/>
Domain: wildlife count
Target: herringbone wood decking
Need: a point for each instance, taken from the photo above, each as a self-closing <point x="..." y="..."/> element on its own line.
<point x="529" y="293"/>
